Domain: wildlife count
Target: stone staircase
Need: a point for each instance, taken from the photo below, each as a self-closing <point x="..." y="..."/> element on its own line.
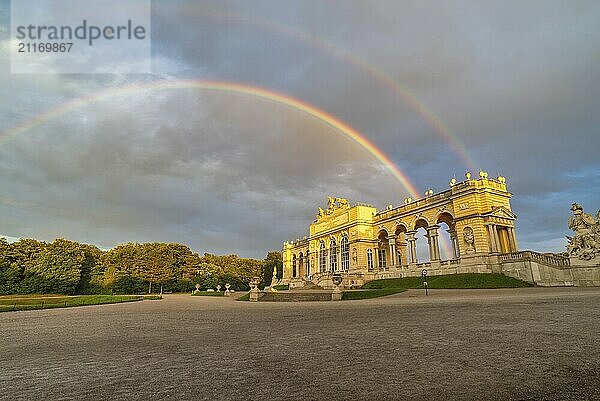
<point x="552" y="260"/>
<point x="296" y="296"/>
<point x="309" y="285"/>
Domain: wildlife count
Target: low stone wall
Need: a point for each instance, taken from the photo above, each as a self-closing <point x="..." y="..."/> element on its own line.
<point x="544" y="275"/>
<point x="544" y="270"/>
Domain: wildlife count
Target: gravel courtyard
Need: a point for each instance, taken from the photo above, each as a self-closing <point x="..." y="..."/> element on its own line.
<point x="519" y="344"/>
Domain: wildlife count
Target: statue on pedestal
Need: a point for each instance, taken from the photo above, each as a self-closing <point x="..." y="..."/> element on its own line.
<point x="275" y="281"/>
<point x="585" y="244"/>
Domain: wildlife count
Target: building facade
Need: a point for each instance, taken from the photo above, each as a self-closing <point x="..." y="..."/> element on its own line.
<point x="362" y="243"/>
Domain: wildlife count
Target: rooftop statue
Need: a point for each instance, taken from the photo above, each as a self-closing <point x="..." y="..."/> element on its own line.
<point x="585" y="244"/>
<point x="332" y="205"/>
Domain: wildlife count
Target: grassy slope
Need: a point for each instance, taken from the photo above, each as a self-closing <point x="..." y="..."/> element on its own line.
<point x="466" y="280"/>
<point x="282" y="287"/>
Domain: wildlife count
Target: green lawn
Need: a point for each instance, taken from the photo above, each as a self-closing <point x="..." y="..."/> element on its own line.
<point x="465" y="280"/>
<point x="282" y="287"/>
<point x="245" y="297"/>
<point x="30" y="302"/>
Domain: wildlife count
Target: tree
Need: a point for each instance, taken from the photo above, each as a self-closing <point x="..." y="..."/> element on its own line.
<point x="273" y="261"/>
<point x="118" y="267"/>
<point x="23" y="257"/>
<point x="58" y="267"/>
<point x="91" y="269"/>
<point x="10" y="274"/>
<point x="158" y="263"/>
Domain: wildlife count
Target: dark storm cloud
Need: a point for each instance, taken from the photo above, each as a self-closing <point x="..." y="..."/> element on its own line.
<point x="220" y="170"/>
<point x="518" y="84"/>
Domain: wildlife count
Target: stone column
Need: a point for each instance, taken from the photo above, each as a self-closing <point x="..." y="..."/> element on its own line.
<point x="434" y="246"/>
<point x="488" y="229"/>
<point x="392" y="246"/>
<point x="493" y="244"/>
<point x="496" y="238"/>
<point x="454" y="241"/>
<point x="318" y="260"/>
<point x="376" y="258"/>
<point x="412" y="246"/>
<point x="512" y="240"/>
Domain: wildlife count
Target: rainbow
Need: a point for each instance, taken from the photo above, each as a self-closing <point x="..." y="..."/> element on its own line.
<point x="261" y="93"/>
<point x="409" y="98"/>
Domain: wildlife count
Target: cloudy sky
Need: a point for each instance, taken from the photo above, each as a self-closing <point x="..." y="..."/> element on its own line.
<point x="510" y="87"/>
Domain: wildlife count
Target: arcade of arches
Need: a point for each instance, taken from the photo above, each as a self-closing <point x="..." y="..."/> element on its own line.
<point x="471" y="222"/>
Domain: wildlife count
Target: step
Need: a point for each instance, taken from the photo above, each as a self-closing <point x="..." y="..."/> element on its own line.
<point x="296" y="296"/>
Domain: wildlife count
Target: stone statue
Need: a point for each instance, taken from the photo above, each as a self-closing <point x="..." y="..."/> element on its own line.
<point x="469" y="239"/>
<point x="274" y="281"/>
<point x="330" y="205"/>
<point x="585" y="244"/>
<point x="343" y="203"/>
<point x="321" y="213"/>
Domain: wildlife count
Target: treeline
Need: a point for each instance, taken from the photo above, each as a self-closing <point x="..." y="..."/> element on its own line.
<point x="67" y="267"/>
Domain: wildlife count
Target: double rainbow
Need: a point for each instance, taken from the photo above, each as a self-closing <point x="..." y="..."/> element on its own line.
<point x="261" y="93"/>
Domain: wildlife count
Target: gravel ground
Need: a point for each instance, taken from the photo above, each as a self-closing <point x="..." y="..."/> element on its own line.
<point x="513" y="344"/>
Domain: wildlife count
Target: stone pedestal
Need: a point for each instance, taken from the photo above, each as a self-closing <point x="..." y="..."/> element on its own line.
<point x="255" y="294"/>
<point x="336" y="295"/>
<point x="595" y="262"/>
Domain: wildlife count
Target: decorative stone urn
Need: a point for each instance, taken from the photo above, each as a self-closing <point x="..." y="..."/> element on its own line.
<point x="254" y="291"/>
<point x="197" y="290"/>
<point x="254" y="282"/>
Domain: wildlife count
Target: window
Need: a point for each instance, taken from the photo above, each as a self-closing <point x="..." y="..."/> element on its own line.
<point x="370" y="259"/>
<point x="345" y="253"/>
<point x="333" y="255"/>
<point x="322" y="258"/>
<point x="382" y="262"/>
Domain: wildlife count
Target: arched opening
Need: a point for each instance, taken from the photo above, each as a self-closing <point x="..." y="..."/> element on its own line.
<point x="322" y="257"/>
<point x="345" y="253"/>
<point x="422" y="242"/>
<point x="333" y="255"/>
<point x="448" y="238"/>
<point x="301" y="265"/>
<point x="307" y="263"/>
<point x="445" y="241"/>
<point x="402" y="250"/>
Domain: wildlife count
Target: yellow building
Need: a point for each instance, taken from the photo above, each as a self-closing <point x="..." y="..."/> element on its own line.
<point x="363" y="243"/>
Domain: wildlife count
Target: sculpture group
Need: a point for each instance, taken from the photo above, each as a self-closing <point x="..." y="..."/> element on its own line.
<point x="585" y="244"/>
<point x="332" y="205"/>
